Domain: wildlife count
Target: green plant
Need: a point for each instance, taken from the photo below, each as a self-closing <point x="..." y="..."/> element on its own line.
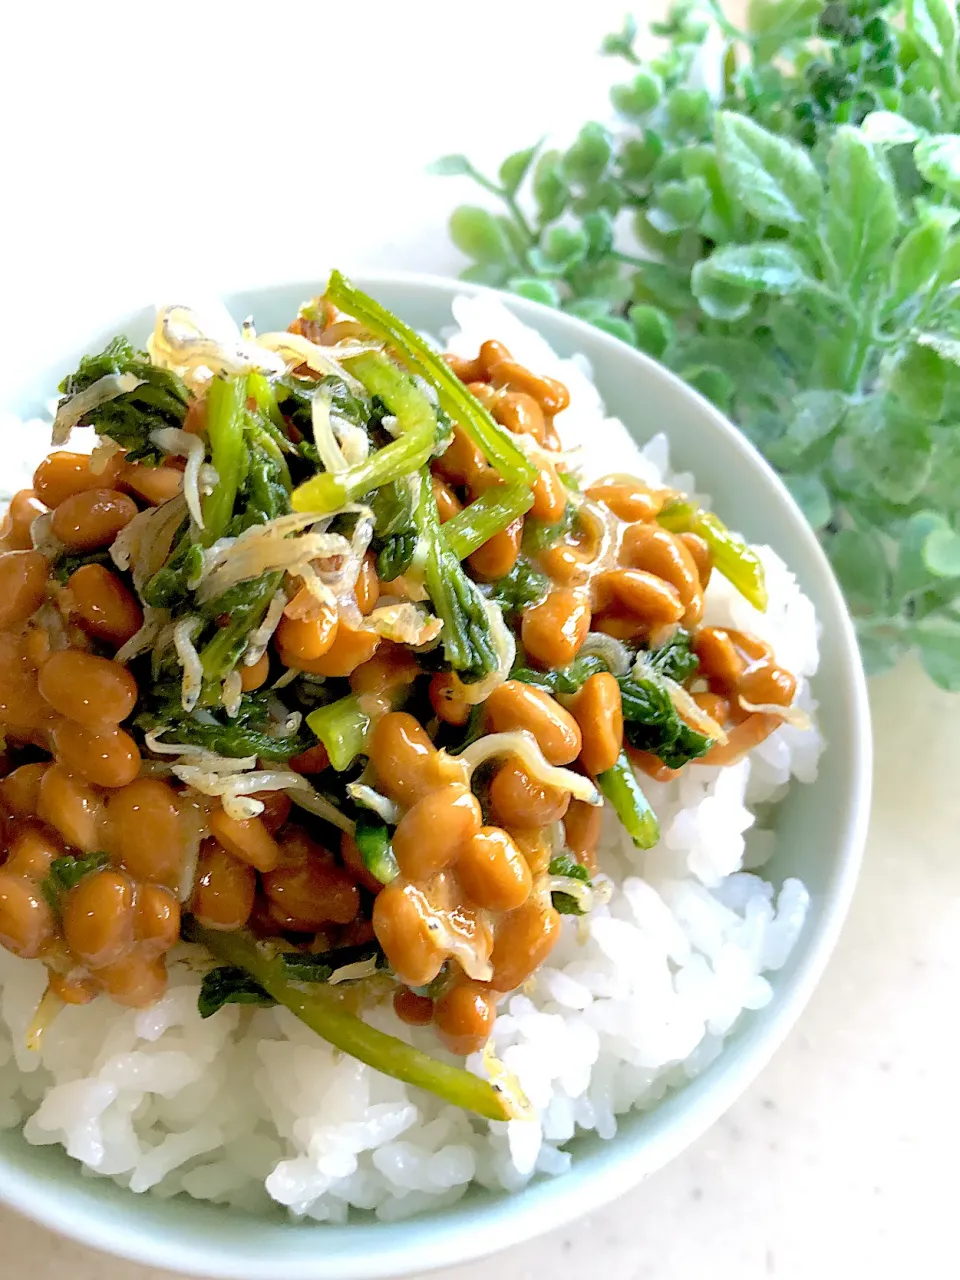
<point x="775" y="218"/>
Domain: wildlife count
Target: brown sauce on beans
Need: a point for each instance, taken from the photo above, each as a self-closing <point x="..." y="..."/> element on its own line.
<point x="469" y="915"/>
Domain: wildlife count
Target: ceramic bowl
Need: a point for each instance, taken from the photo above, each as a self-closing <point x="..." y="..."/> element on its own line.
<point x="821" y="832"/>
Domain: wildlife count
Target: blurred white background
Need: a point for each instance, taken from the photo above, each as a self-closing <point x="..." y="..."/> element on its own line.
<point x="204" y="145"/>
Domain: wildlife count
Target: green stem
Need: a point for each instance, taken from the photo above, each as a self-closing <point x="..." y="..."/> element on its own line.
<point x="221" y="654"/>
<point x="467" y="640"/>
<point x="372" y="838"/>
<point x="493" y="441"/>
<point x="487" y="183"/>
<point x="225" y="404"/>
<point x="737" y="562"/>
<point x="470" y="528"/>
<point x="417" y="423"/>
<point x="321" y="1010"/>
<point x="628" y="258"/>
<point x="631" y="806"/>
<point x="343" y="728"/>
<point x="726" y="26"/>
<point x="518" y="217"/>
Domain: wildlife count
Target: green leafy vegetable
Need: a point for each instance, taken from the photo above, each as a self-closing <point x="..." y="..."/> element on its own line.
<point x="798" y="252"/>
<point x="69" y="564"/>
<point x="731" y="556"/>
<point x="294" y="397"/>
<point x="621" y="788"/>
<point x="251" y="732"/>
<point x="470" y="528"/>
<point x="467" y="639"/>
<point x="225" y="403"/>
<point x="522" y="587"/>
<point x="373" y="840"/>
<point x="570" y="869"/>
<point x="675" y="659"/>
<point x="66" y="873"/>
<point x="161" y="400"/>
<point x="417" y="435"/>
<point x="319" y="1009"/>
<point x="651" y="722"/>
<point x="538" y="535"/>
<point x="570" y="679"/>
<point x="343" y="728"/>
<point x="232" y="984"/>
<point x="229" y="984"/>
<point x="456" y="401"/>
<point x="320" y="966"/>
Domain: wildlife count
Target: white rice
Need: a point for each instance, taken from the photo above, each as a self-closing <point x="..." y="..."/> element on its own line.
<point x="250" y="1106"/>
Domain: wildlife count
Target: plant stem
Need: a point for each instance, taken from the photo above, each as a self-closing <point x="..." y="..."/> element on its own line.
<point x="325" y="1014"/>
<point x="518" y="217"/>
<point x="629" y="259"/>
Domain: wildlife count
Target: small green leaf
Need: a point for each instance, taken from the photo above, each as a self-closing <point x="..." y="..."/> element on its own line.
<point x="881" y="646"/>
<point x="887" y="129"/>
<point x="637" y="99"/>
<point x="450" y="166"/>
<point x="620" y="43"/>
<point x="817" y="414"/>
<point x="543" y="291"/>
<point x="638" y="156"/>
<point x="66" y="873"/>
<point x="713" y="383"/>
<point x="938" y="641"/>
<point x="587" y="161"/>
<point x="550" y="190"/>
<point x="229" y="984"/>
<point x="603" y="279"/>
<point x="566" y="867"/>
<point x="492" y="274"/>
<point x="891" y="448"/>
<point x="773" y="179"/>
<point x="782" y="19"/>
<point x="516" y="167"/>
<point x="759" y="268"/>
<point x="944" y="344"/>
<point x="861" y="215"/>
<point x="598" y="228"/>
<point x="653" y="329"/>
<point x="719" y="299"/>
<point x="918" y="381"/>
<point x="934" y="23"/>
<point x="560" y="250"/>
<point x="478" y="234"/>
<point x="617" y="328"/>
<point x="811" y="496"/>
<point x="938" y="160"/>
<point x="917" y="261"/>
<point x="589" y="309"/>
<point x="607" y="194"/>
<point x="949" y="271"/>
<point x="666" y="286"/>
<point x="688" y="110"/>
<point x="678" y="205"/>
<point x="861" y="567"/>
<point x="941" y="553"/>
<point x="911" y="573"/>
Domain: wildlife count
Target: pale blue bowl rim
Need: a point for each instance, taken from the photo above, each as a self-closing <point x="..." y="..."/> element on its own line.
<point x="205" y="1240"/>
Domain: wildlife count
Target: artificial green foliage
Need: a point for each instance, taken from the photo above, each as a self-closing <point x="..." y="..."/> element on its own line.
<point x="776" y="216"/>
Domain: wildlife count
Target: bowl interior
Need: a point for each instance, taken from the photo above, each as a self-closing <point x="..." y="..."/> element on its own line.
<point x="820" y="837"/>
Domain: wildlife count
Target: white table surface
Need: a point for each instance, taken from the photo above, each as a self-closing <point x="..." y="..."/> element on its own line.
<point x="267" y="165"/>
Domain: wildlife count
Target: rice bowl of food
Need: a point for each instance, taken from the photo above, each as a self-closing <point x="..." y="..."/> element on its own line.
<point x="436" y="771"/>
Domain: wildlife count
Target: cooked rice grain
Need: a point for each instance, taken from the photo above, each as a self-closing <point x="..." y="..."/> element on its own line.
<point x="250" y="1106"/>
